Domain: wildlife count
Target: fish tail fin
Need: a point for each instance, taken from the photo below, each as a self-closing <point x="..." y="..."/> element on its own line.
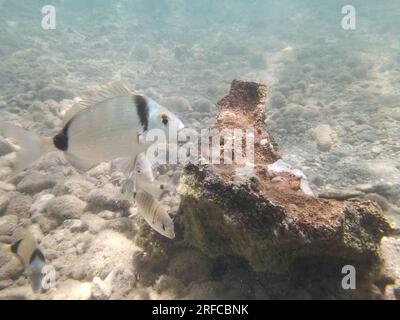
<point x="35" y="270"/>
<point x="31" y="146"/>
<point x="36" y="278"/>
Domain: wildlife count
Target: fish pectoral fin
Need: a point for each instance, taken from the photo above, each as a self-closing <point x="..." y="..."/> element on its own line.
<point x="127" y="187"/>
<point x="127" y="166"/>
<point x="140" y="138"/>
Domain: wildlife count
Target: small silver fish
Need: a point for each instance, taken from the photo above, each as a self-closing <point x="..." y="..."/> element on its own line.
<point x="108" y="123"/>
<point x="154" y="214"/>
<point x="33" y="259"/>
<point x="140" y="175"/>
<point x="139" y="165"/>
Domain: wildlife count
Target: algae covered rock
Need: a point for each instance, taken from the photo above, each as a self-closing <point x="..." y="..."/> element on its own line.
<point x="65" y="207"/>
<point x="36" y="182"/>
<point x="269" y="217"/>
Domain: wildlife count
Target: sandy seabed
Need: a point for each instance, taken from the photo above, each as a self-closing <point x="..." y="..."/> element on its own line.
<point x="333" y="108"/>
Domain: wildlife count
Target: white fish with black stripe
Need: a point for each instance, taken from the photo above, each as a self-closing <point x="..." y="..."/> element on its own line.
<point x="30" y="255"/>
<point x="109" y="122"/>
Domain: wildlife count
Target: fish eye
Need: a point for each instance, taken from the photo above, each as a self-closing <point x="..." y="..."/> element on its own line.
<point x="164" y="119"/>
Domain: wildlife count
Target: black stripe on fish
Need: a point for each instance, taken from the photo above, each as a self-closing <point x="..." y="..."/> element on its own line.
<point x="37" y="253"/>
<point x="142" y="110"/>
<point x="61" y="140"/>
<point x="15" y="246"/>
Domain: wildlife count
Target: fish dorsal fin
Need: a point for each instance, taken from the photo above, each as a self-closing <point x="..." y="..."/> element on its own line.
<point x="144" y="168"/>
<point x="99" y="94"/>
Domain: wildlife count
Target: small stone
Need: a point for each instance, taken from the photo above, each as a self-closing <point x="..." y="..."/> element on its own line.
<point x="10" y="266"/>
<point x="376" y="149"/>
<point x="322" y="135"/>
<point x="5" y="284"/>
<point x="391" y="254"/>
<point x="19" y="204"/>
<point x="81" y="248"/>
<point x="71" y="290"/>
<point x="4" y="200"/>
<point x="36" y="182"/>
<point x="40" y="204"/>
<point x="103" y="169"/>
<point x="107" y="215"/>
<point x="5" y="147"/>
<point x="6" y="186"/>
<point x="120" y="281"/>
<point x="65" y="207"/>
<point x="108" y="199"/>
<point x="75" y="186"/>
<point x="94" y="223"/>
<point x="139" y="294"/>
<point x="369" y="135"/>
<point x="100" y="290"/>
<point x="52" y="162"/>
<point x="75" y="225"/>
<point x="23" y="292"/>
<point x="5" y="172"/>
<point x="122" y="225"/>
<point x="8" y="224"/>
<point x="46" y="224"/>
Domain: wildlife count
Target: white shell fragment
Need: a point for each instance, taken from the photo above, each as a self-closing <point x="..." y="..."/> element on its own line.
<point x="281" y="166"/>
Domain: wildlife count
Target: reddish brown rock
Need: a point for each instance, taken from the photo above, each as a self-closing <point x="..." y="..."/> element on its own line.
<point x="266" y="218"/>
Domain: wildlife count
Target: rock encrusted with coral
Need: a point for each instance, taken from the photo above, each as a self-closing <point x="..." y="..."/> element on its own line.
<point x="267" y="218"/>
